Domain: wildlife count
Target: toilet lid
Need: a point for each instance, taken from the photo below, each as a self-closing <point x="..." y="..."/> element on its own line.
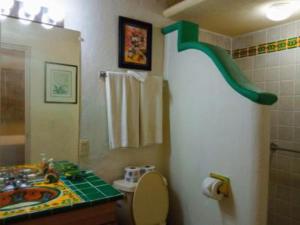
<point x="150" y="202"/>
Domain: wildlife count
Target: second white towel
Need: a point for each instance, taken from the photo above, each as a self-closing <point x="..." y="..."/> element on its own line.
<point x="151" y="111"/>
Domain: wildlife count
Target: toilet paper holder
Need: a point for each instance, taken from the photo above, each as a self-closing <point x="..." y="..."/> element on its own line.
<point x="224" y="188"/>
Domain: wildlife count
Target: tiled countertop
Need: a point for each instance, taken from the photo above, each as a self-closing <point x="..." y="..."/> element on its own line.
<point x="87" y="191"/>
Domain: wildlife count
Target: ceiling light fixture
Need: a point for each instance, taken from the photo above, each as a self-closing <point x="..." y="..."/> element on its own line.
<point x="55" y="12"/>
<point x="32" y="7"/>
<point x="281" y="11"/>
<point x="6" y="6"/>
<point x="23" y="15"/>
<point x="46" y="21"/>
<point x="2" y="17"/>
<point x="46" y="12"/>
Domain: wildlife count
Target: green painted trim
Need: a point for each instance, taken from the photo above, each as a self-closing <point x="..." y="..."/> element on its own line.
<point x="188" y="34"/>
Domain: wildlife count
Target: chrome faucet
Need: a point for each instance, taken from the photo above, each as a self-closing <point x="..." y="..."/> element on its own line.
<point x="10" y="181"/>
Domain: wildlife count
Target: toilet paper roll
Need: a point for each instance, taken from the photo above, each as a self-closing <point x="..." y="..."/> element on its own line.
<point x="131" y="179"/>
<point x="146" y="169"/>
<point x="210" y="188"/>
<point x="132" y="174"/>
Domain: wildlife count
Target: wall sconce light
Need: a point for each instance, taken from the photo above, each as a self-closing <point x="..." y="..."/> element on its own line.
<point x="32" y="11"/>
<point x="55" y="13"/>
<point x="29" y="10"/>
<point x="6" y="6"/>
<point x="46" y="21"/>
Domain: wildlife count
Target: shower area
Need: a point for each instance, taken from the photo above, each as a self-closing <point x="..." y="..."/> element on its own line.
<point x="12" y="106"/>
<point x="277" y="70"/>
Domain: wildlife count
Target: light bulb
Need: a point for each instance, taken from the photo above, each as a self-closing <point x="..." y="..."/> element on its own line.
<point x="55" y="10"/>
<point x="56" y="14"/>
<point x="31" y="7"/>
<point x="46" y="21"/>
<point x="2" y="17"/>
<point x="6" y="6"/>
<point x="25" y="22"/>
<point x="46" y="26"/>
<point x="24" y="15"/>
<point x="281" y="11"/>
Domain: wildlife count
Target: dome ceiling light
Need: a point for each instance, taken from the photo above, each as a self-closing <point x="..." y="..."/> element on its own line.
<point x="281" y="11"/>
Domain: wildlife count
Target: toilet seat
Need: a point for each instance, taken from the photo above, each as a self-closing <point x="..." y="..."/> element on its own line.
<point x="150" y="203"/>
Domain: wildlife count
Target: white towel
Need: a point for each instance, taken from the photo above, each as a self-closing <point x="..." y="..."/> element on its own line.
<point x="151" y="104"/>
<point x="139" y="75"/>
<point x="122" y="96"/>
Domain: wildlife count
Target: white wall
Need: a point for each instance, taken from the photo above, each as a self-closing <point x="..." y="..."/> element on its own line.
<point x="52" y="128"/>
<point x="214" y="129"/>
<point x="97" y="21"/>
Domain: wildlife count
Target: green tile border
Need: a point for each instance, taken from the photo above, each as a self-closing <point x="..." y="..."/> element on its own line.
<point x="264" y="48"/>
<point x="188" y="36"/>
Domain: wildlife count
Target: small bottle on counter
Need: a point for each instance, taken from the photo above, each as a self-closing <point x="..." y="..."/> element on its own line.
<point x="51" y="175"/>
<point x="44" y="164"/>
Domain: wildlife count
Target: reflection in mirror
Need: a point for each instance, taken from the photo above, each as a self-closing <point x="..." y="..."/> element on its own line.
<point x="12" y="106"/>
<point x="29" y="125"/>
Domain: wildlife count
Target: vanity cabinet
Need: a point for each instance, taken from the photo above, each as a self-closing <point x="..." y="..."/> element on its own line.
<point x="102" y="214"/>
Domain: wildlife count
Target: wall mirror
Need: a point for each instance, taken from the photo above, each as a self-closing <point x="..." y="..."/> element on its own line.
<point x="29" y="125"/>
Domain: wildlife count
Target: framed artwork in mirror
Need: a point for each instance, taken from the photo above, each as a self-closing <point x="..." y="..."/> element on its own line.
<point x="60" y="83"/>
<point x="135" y="44"/>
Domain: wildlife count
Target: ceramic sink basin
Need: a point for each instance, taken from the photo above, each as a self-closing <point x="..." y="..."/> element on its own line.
<point x="16" y="199"/>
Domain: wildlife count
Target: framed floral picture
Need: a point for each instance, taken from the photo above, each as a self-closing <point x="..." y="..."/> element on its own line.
<point x="60" y="83"/>
<point x="135" y="44"/>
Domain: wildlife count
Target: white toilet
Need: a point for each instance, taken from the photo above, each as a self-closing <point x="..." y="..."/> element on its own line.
<point x="145" y="202"/>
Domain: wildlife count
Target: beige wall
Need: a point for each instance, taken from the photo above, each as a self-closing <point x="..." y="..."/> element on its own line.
<point x="213" y="38"/>
<point x="279" y="72"/>
<point x="173" y="2"/>
<point x="98" y="23"/>
<point x="52" y="128"/>
<point x="211" y="125"/>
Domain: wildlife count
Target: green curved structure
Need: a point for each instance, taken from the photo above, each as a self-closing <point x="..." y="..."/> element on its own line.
<point x="188" y="34"/>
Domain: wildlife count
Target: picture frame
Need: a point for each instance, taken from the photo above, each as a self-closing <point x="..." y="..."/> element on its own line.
<point x="135" y="44"/>
<point x="60" y="83"/>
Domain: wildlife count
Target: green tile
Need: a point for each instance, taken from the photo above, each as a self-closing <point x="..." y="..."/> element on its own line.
<point x="292" y="42"/>
<point x="78" y="192"/>
<point x="74" y="188"/>
<point x="109" y="190"/>
<point x="262" y="49"/>
<point x="81" y="195"/>
<point x="77" y="181"/>
<point x="281" y="45"/>
<point x="97" y="182"/>
<point x="83" y="186"/>
<point x="89" y="190"/>
<point x="67" y="182"/>
<point x="84" y="197"/>
<point x="95" y="196"/>
<point x="272" y="47"/>
<point x="92" y="177"/>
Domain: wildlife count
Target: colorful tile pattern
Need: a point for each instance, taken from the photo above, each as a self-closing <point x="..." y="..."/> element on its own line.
<point x="264" y="48"/>
<point x="272" y="47"/>
<point x="65" y="198"/>
<point x="85" y="191"/>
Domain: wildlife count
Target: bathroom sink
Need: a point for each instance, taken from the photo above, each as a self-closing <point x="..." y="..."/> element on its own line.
<point x="29" y="171"/>
<point x="16" y="199"/>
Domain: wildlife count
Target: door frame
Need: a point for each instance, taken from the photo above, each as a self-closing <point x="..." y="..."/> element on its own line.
<point x="27" y="51"/>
